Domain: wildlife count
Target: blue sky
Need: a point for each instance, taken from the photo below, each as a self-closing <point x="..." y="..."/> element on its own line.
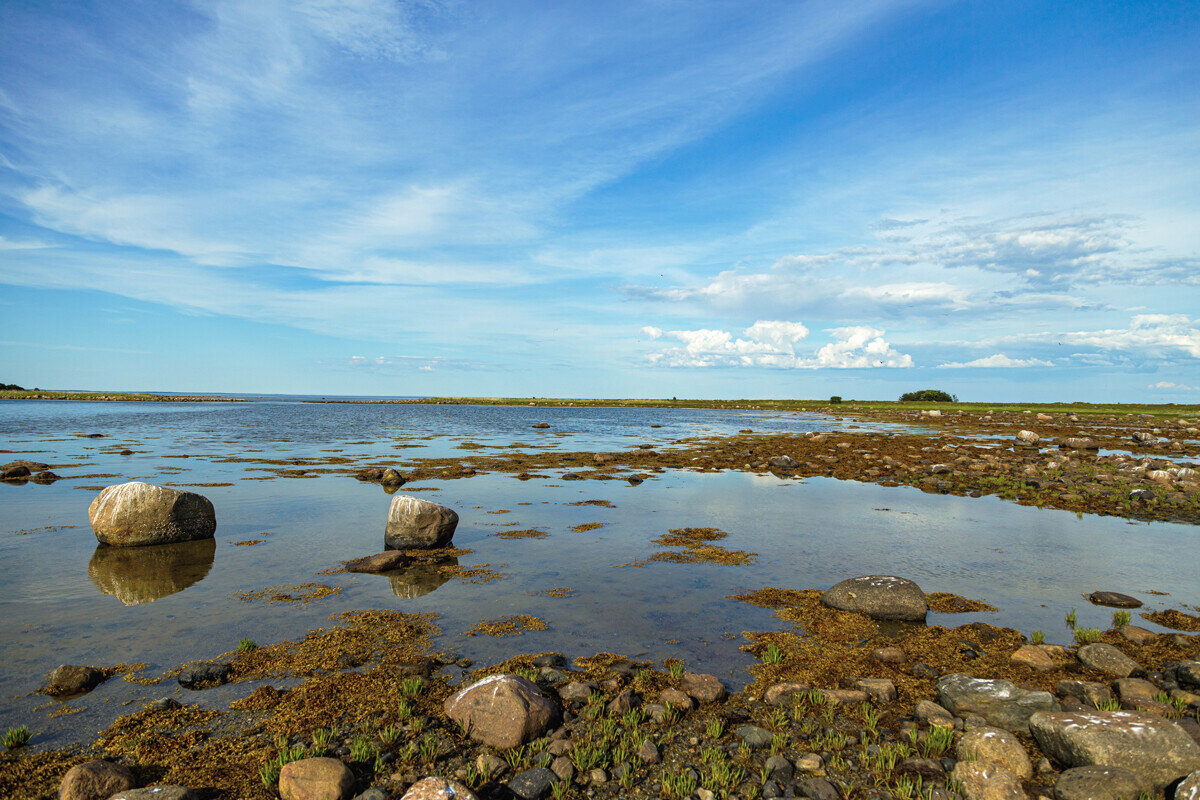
<point x="660" y="198"/>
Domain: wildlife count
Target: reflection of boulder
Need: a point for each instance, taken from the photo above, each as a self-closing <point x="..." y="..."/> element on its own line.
<point x="143" y="574"/>
<point x="418" y="580"/>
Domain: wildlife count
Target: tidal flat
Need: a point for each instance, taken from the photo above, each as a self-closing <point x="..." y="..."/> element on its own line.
<point x="620" y="548"/>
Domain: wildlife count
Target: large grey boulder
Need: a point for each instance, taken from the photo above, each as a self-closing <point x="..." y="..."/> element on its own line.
<point x="879" y="597"/>
<point x="1001" y="703"/>
<point x="136" y="514"/>
<point x="502" y="711"/>
<point x="1155" y="749"/>
<point x="416" y="524"/>
<point x="1100" y="783"/>
<point x="1108" y="659"/>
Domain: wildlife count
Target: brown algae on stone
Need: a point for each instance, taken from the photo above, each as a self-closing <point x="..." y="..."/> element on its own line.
<point x="948" y="603"/>
<point x="1174" y="619"/>
<point x="531" y="533"/>
<point x="293" y="593"/>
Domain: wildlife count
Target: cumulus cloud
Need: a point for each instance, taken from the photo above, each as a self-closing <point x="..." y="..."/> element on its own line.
<point x="997" y="360"/>
<point x="1177" y="387"/>
<point x="772" y="344"/>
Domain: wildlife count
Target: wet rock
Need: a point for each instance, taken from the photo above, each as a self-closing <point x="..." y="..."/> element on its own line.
<point x="438" y="789"/>
<point x="137" y="514"/>
<point x="783" y="462"/>
<point x="369" y="474"/>
<point x="1027" y="437"/>
<point x="1188" y="674"/>
<point x="45" y="477"/>
<point x="1033" y="657"/>
<point x="391" y="477"/>
<point x="1087" y="692"/>
<point x="205" y="676"/>
<point x="1114" y="600"/>
<point x="533" y="784"/>
<point x="781" y="694"/>
<point x="999" y="702"/>
<point x="992" y="745"/>
<point x="1098" y="783"/>
<point x="879" y="597"/>
<point x="157" y="793"/>
<point x="416" y="524"/>
<point x="15" y="472"/>
<point x="315" y="779"/>
<point x="1079" y="443"/>
<point x="502" y="711"/>
<point x="704" y="688"/>
<point x="67" y="680"/>
<point x="95" y="780"/>
<point x="1108" y="659"/>
<point x="984" y="781"/>
<point x="380" y="562"/>
<point x="571" y="476"/>
<point x="31" y="466"/>
<point x="1151" y="747"/>
<point x="541" y="425"/>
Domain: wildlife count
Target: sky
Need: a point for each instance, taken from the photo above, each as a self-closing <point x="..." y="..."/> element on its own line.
<point x="661" y="198"/>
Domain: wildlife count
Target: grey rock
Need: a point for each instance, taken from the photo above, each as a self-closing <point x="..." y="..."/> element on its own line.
<point x="1001" y="703"/>
<point x="1151" y="747"/>
<point x="1099" y="783"/>
<point x="817" y="789"/>
<point x="157" y="793"/>
<point x="782" y="462"/>
<point x="416" y="524"/>
<point x="1108" y="659"/>
<point x="1114" y="600"/>
<point x="204" y="676"/>
<point x="779" y="768"/>
<point x="995" y="746"/>
<point x="753" y="735"/>
<point x="136" y="514"/>
<point x="1087" y="692"/>
<point x="1189" y="787"/>
<point x="372" y="794"/>
<point x="1188" y="674"/>
<point x="533" y="784"/>
<point x="927" y="769"/>
<point x="879" y="597"/>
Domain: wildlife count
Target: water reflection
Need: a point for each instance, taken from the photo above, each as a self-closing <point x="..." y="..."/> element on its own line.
<point x="418" y="580"/>
<point x="136" y="575"/>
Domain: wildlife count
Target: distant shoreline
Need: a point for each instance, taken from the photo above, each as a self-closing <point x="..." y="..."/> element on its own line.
<point x="128" y="397"/>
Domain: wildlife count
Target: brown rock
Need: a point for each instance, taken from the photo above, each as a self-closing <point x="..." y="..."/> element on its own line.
<point x="1106" y="658"/>
<point x="136" y="514"/>
<point x="1114" y="600"/>
<point x="889" y="655"/>
<point x="1132" y="633"/>
<point x="1033" y="657"/>
<point x="380" y="562"/>
<point x="95" y="780"/>
<point x="996" y="746"/>
<point x="161" y="792"/>
<point x="315" y="779"/>
<point x="1135" y="690"/>
<point x="844" y="697"/>
<point x="68" y="680"/>
<point x="1089" y="693"/>
<point x="781" y="694"/>
<point x="676" y="699"/>
<point x="881" y="690"/>
<point x="502" y="710"/>
<point x="986" y="781"/>
<point x="438" y="789"/>
<point x="705" y="688"/>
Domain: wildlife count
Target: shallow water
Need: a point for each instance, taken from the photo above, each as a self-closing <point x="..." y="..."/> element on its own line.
<point x="66" y="600"/>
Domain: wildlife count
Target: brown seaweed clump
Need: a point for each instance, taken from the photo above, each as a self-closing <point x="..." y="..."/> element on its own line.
<point x="531" y="533"/>
<point x="297" y="593"/>
<point x="948" y="603"/>
<point x="586" y="526"/>
<point x="696" y="548"/>
<point x="1174" y="619"/>
<point x="513" y="625"/>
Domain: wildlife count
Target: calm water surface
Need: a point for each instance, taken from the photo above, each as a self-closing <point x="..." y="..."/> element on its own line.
<point x="66" y="600"/>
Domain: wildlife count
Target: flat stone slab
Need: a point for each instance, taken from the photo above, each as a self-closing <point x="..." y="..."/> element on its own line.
<point x="1114" y="600"/>
<point x="1001" y="703"/>
<point x="1155" y="749"/>
<point x="1099" y="783"/>
<point x="1107" y="659"/>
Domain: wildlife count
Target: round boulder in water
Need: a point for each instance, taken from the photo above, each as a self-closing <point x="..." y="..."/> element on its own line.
<point x="416" y="524"/>
<point x="879" y="597"/>
<point x="136" y="514"/>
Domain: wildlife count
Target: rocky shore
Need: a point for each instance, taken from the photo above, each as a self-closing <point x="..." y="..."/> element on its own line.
<point x="852" y="697"/>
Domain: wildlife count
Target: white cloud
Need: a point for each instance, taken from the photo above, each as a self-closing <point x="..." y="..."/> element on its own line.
<point x="1178" y="387"/>
<point x="772" y="344"/>
<point x="652" y="332"/>
<point x="998" y="360"/>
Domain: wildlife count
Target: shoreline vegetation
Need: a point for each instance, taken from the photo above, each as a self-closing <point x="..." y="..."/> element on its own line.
<point x="112" y="397"/>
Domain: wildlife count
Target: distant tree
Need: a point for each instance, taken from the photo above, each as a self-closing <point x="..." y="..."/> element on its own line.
<point x="837" y="398"/>
<point x="928" y="396"/>
<point x="12" y="387"/>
